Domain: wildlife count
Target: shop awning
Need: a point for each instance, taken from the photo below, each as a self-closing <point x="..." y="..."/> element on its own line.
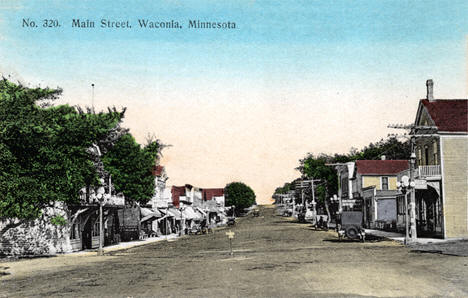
<point x="165" y="212"/>
<point x="164" y="217"/>
<point x="199" y="210"/>
<point x="213" y="209"/>
<point x="190" y="213"/>
<point x="149" y="217"/>
<point x="146" y="211"/>
<point x="175" y="212"/>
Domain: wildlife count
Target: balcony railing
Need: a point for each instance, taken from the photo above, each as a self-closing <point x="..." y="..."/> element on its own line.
<point x="429" y="171"/>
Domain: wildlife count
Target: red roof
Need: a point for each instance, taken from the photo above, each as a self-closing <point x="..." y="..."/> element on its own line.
<point x="209" y="193"/>
<point x="381" y="167"/>
<point x="157" y="170"/>
<point x="176" y="192"/>
<point x="448" y="114"/>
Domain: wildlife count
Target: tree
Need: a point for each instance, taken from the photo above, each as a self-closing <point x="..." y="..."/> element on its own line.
<point x="43" y="151"/>
<point x="392" y="148"/>
<point x="284" y="189"/>
<point x="239" y="195"/>
<point x="130" y="167"/>
<point x="314" y="167"/>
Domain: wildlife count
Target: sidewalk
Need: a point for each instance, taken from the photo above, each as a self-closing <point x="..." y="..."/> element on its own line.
<point x="401" y="237"/>
<point x="122" y="245"/>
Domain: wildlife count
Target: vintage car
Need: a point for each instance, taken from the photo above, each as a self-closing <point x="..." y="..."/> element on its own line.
<point x="349" y="224"/>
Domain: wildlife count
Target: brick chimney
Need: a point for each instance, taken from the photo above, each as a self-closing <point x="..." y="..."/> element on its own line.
<point x="430" y="90"/>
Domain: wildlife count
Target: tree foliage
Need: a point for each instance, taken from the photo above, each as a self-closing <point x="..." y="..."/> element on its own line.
<point x="284" y="189"/>
<point x="240" y="195"/>
<point x="130" y="166"/>
<point x="43" y="149"/>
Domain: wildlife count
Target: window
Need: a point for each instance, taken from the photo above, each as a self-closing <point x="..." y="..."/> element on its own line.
<point x="384" y="183"/>
<point x="75" y="232"/>
<point x="435" y="154"/>
<point x="401" y="205"/>
<point x="419" y="157"/>
<point x="344" y="187"/>
<point x="426" y="155"/>
<point x="96" y="228"/>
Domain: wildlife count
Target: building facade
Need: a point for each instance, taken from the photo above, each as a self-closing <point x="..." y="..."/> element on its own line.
<point x="441" y="148"/>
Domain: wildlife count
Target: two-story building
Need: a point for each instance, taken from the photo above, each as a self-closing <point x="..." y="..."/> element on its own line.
<point x="370" y="186"/>
<point x="375" y="182"/>
<point x="441" y="147"/>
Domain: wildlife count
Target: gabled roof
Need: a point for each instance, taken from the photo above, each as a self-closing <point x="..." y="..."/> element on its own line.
<point x="381" y="167"/>
<point x="449" y="115"/>
<point x="209" y="193"/>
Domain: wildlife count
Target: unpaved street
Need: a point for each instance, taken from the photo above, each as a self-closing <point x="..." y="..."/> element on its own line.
<point x="273" y="257"/>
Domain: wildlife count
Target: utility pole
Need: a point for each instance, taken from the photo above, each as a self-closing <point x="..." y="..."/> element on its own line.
<point x="412" y="193"/>
<point x="92" y="96"/>
<point x="305" y="184"/>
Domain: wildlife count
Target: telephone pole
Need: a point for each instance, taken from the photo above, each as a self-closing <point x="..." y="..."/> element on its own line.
<point x="306" y="184"/>
<point x="92" y="96"/>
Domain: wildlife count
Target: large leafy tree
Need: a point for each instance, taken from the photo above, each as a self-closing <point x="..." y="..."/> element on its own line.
<point x="130" y="166"/>
<point x="240" y="195"/>
<point x="43" y="151"/>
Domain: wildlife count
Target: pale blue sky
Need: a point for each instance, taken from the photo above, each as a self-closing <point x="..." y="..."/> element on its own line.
<point x="294" y="77"/>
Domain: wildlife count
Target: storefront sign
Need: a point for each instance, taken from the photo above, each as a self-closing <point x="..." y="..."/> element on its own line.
<point x="420" y="184"/>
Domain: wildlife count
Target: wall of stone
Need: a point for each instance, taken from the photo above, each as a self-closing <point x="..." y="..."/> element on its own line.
<point x="38" y="237"/>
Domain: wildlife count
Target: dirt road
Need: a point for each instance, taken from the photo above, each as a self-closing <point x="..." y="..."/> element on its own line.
<point x="273" y="257"/>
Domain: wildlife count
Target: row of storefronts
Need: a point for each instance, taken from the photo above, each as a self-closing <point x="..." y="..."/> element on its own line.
<point x="171" y="211"/>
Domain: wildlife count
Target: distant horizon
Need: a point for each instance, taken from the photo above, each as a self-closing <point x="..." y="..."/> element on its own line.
<point x="245" y="103"/>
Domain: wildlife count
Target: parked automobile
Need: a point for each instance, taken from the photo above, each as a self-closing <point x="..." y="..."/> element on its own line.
<point x="349" y="224"/>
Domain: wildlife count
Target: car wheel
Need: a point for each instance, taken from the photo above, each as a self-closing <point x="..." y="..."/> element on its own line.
<point x="352" y="232"/>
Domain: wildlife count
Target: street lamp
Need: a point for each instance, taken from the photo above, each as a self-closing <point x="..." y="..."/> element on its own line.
<point x="404" y="185"/>
<point x="102" y="198"/>
<point x="182" y="223"/>
<point x="412" y="193"/>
